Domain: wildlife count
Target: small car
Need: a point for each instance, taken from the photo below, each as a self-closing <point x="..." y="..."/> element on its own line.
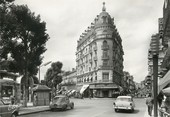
<point x="8" y="110"/>
<point x="61" y="102"/>
<point x="124" y="103"/>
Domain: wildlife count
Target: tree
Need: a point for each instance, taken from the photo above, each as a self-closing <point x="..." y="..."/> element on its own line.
<point x="24" y="36"/>
<point x="53" y="77"/>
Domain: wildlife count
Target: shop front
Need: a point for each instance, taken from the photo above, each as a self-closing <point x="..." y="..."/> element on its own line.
<point x="104" y="90"/>
<point x="8" y="89"/>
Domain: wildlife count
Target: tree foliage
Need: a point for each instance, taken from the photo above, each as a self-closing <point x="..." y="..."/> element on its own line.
<point x="53" y="77"/>
<point x="24" y="36"/>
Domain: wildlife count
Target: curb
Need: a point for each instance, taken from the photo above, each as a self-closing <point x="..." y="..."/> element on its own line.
<point x="31" y="111"/>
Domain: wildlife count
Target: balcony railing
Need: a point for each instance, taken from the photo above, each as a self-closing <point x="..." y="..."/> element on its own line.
<point x="102" y="81"/>
<point x="104" y="36"/>
<point x="90" y="60"/>
<point x="105" y="47"/>
<point x="90" y="50"/>
<point x="95" y="58"/>
<point x="95" y="47"/>
<point x="105" y="57"/>
<point x="105" y="67"/>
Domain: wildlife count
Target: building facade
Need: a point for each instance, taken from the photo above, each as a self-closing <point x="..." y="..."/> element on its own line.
<point x="99" y="57"/>
<point x="69" y="80"/>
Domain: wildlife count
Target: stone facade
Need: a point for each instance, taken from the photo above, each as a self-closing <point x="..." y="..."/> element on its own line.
<point x="99" y="56"/>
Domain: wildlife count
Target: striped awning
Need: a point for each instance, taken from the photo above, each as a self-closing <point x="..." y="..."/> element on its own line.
<point x="163" y="82"/>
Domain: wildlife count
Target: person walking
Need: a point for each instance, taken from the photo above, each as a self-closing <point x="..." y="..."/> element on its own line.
<point x="35" y="99"/>
<point x="12" y="99"/>
<point x="149" y="103"/>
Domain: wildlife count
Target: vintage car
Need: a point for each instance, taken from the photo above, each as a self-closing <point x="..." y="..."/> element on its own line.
<point x="61" y="102"/>
<point x="124" y="103"/>
<point x="8" y="110"/>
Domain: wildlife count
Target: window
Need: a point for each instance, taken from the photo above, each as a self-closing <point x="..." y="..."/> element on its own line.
<point x="105" y="53"/>
<point x="105" y="62"/>
<point x="105" y="76"/>
<point x="104" y="43"/>
<point x="104" y="19"/>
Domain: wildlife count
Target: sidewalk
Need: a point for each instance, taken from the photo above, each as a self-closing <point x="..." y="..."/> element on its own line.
<point x="32" y="109"/>
<point x="146" y="113"/>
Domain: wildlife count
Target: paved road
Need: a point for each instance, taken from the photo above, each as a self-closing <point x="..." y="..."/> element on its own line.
<point x="94" y="108"/>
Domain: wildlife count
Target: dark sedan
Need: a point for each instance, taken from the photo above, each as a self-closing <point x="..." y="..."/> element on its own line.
<point x="61" y="102"/>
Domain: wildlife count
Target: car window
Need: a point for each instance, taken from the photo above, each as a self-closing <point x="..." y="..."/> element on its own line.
<point x="124" y="99"/>
<point x="1" y="103"/>
<point x="58" y="99"/>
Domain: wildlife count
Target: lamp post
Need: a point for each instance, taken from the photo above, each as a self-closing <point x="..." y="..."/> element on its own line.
<point x="155" y="53"/>
<point x="45" y="64"/>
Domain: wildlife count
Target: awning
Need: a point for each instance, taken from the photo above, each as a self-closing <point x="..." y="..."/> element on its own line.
<point x="84" y="87"/>
<point x="163" y="82"/>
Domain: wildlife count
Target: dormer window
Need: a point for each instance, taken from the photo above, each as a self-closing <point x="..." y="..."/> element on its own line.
<point x="104" y="19"/>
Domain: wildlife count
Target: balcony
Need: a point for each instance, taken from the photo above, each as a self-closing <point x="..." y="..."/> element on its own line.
<point x="105" y="57"/>
<point x="103" y="81"/>
<point x="105" y="47"/>
<point x="95" y="68"/>
<point x="95" y="48"/>
<point x="95" y="58"/>
<point x="105" y="67"/>
<point x="90" y="50"/>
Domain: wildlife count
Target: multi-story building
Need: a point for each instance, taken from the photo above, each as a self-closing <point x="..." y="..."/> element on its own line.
<point x="164" y="33"/>
<point x="128" y="83"/>
<point x="69" y="80"/>
<point x="149" y="77"/>
<point x="99" y="56"/>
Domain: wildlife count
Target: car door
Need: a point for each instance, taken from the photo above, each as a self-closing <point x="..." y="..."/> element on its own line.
<point x="67" y="101"/>
<point x="133" y="103"/>
<point x="4" y="109"/>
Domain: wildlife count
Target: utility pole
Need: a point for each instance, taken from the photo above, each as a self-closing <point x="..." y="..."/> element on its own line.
<point x="155" y="84"/>
<point x="41" y="66"/>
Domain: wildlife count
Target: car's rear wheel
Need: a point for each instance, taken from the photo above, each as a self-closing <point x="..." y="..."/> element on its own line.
<point x="116" y="110"/>
<point x="13" y="115"/>
<point x="132" y="110"/>
<point x="65" y="108"/>
<point x="72" y="106"/>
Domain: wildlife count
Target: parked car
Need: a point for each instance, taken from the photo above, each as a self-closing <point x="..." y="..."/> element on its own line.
<point x="8" y="110"/>
<point x="124" y="103"/>
<point x="61" y="102"/>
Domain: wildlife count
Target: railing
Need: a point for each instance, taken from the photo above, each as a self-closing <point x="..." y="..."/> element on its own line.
<point x="95" y="58"/>
<point x="163" y="113"/>
<point x="105" y="67"/>
<point x="105" y="47"/>
<point x="105" y="57"/>
<point x="95" y="47"/>
<point x="102" y="81"/>
<point x="90" y="50"/>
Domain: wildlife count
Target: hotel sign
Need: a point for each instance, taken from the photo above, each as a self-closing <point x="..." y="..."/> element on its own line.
<point x="160" y="27"/>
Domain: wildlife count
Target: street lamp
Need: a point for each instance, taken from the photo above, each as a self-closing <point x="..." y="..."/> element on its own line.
<point x="155" y="53"/>
<point x="45" y="64"/>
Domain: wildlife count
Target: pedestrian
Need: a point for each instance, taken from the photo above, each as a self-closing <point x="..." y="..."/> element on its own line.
<point x="160" y="98"/>
<point x="12" y="99"/>
<point x="35" y="99"/>
<point x="149" y="103"/>
<point x="166" y="104"/>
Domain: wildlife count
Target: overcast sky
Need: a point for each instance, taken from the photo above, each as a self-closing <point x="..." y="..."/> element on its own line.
<point x="136" y="21"/>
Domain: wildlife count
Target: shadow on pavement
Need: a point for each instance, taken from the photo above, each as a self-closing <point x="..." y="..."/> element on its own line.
<point x="127" y="111"/>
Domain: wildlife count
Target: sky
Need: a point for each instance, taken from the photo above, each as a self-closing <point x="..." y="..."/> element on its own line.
<point x="66" y="20"/>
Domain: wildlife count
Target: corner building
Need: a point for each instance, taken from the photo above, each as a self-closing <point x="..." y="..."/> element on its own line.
<point x="99" y="57"/>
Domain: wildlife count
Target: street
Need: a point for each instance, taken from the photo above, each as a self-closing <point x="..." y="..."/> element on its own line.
<point x="95" y="107"/>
